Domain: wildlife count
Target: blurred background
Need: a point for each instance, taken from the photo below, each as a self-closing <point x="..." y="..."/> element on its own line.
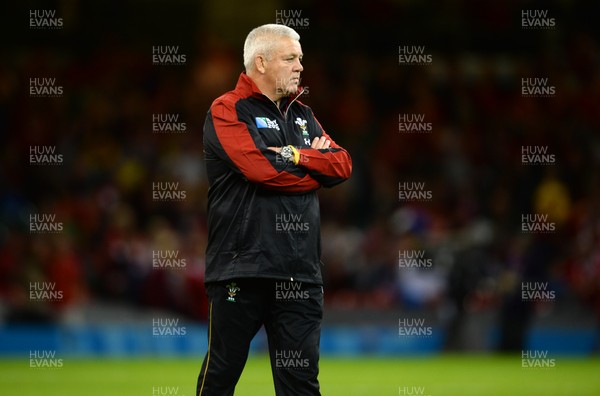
<point x="469" y="90"/>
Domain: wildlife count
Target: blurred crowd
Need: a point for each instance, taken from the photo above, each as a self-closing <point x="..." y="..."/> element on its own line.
<point x="471" y="229"/>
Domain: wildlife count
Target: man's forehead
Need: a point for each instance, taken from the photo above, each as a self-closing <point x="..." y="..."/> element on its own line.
<point x="288" y="45"/>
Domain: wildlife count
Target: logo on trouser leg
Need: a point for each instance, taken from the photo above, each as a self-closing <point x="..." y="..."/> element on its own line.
<point x="232" y="290"/>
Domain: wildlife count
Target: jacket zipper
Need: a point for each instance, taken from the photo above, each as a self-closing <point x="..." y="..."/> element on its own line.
<point x="284" y="116"/>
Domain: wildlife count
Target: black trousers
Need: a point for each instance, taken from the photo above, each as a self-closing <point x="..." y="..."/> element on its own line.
<point x="291" y="313"/>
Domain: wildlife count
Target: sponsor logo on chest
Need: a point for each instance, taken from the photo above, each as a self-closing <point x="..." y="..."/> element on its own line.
<point x="264" y="122"/>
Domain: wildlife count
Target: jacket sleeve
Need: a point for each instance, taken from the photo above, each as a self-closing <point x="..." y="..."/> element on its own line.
<point x="241" y="147"/>
<point x="329" y="166"/>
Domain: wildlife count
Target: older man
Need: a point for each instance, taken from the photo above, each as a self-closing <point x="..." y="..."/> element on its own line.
<point x="266" y="155"/>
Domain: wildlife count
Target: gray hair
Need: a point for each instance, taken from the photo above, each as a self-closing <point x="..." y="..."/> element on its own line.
<point x="259" y="41"/>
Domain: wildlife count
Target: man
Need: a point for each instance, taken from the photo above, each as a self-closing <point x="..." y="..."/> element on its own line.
<point x="266" y="155"/>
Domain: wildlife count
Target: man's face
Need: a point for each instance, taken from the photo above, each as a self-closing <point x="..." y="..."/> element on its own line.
<point x="283" y="68"/>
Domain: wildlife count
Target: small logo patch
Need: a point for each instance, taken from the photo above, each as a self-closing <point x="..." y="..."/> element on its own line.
<point x="302" y="123"/>
<point x="264" y="122"/>
<point x="232" y="290"/>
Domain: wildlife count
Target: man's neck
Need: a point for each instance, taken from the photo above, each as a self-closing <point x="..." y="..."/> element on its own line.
<point x="257" y="78"/>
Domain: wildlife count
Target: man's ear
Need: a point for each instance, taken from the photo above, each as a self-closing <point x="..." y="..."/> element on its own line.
<point x="260" y="63"/>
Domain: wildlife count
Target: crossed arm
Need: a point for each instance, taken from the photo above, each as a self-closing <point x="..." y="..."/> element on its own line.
<point x="238" y="143"/>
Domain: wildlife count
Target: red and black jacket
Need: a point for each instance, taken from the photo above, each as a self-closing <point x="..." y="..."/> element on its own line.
<point x="263" y="211"/>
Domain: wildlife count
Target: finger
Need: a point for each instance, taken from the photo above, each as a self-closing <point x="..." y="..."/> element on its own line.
<point x="321" y="142"/>
<point x="327" y="144"/>
<point x="314" y="143"/>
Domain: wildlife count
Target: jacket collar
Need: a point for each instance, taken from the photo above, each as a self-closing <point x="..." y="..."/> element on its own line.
<point x="246" y="86"/>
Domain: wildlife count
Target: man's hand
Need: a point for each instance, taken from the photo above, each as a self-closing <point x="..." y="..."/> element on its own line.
<point x="321" y="143"/>
<point x="317" y="143"/>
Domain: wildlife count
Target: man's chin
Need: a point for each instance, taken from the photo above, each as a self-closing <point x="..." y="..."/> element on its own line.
<point x="290" y="90"/>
